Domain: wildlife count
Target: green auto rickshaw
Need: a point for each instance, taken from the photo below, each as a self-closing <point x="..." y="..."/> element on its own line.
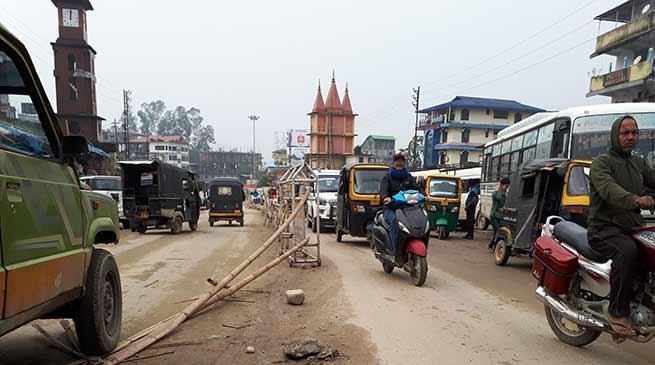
<point x="443" y="195"/>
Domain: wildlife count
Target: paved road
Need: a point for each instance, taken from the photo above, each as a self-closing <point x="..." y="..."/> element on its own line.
<point x="469" y="310"/>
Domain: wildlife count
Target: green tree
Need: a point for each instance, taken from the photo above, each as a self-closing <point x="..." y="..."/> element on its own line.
<point x="176" y="122"/>
<point x="202" y="137"/>
<point x="150" y="115"/>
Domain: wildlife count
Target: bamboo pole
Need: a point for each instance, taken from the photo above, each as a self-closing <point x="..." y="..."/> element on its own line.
<point x="145" y="337"/>
<point x="155" y="336"/>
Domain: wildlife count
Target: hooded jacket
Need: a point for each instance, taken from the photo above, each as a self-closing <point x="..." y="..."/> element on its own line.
<point x="616" y="181"/>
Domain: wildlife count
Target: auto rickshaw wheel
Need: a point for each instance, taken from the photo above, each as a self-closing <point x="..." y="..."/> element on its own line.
<point x="388" y="267"/>
<point x="176" y="226"/>
<point x="193" y="226"/>
<point x="502" y="252"/>
<point x="211" y="223"/>
<point x="241" y="222"/>
<point x="141" y="228"/>
<point x="339" y="233"/>
<point x="99" y="314"/>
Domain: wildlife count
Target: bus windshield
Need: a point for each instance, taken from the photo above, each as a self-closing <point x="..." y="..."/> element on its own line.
<point x="591" y="136"/>
<point x="443" y="188"/>
<point x="327" y="184"/>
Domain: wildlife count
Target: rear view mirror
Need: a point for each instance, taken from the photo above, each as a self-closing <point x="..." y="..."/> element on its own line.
<point x="74" y="146"/>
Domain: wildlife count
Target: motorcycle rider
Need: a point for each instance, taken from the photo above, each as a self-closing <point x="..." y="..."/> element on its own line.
<point x="618" y="181"/>
<point x="396" y="180"/>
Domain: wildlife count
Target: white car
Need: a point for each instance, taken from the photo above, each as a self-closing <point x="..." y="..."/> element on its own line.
<point x="111" y="186"/>
<point x="325" y="204"/>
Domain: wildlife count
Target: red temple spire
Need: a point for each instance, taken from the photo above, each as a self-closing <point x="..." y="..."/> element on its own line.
<point x="319" y="105"/>
<point x="333" y="102"/>
<point x="345" y="105"/>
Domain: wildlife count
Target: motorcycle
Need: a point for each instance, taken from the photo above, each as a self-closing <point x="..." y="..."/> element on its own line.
<point x="413" y="235"/>
<point x="574" y="285"/>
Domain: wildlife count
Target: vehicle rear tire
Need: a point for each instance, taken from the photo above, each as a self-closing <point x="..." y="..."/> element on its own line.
<point x="581" y="337"/>
<point x="241" y="222"/>
<point x="502" y="252"/>
<point x="99" y="314"/>
<point x="482" y="222"/>
<point x="211" y="223"/>
<point x="388" y="267"/>
<point x="193" y="226"/>
<point x="141" y="229"/>
<point x="441" y="232"/>
<point x="420" y="269"/>
<point x="176" y="226"/>
<point x="339" y="233"/>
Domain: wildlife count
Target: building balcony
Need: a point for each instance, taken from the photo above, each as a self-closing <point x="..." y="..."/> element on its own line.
<point x="621" y="79"/>
<point x="624" y="34"/>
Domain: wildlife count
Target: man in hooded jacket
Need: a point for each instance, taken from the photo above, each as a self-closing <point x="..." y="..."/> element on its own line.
<point x="396" y="180"/>
<point x="618" y="181"/>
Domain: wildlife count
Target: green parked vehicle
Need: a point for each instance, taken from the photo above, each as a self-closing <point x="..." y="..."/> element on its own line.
<point x="443" y="196"/>
<point x="49" y="267"/>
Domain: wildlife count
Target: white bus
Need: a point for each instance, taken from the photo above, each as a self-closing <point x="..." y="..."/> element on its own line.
<point x="579" y="133"/>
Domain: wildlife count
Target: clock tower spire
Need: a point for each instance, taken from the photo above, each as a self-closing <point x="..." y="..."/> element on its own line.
<point x="75" y="72"/>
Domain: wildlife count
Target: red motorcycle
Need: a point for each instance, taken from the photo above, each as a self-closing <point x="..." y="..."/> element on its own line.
<point x="574" y="285"/>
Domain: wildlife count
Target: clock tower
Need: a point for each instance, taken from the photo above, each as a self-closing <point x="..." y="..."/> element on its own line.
<point x="75" y="72"/>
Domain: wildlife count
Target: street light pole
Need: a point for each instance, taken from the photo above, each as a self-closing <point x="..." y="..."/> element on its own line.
<point x="254" y="118"/>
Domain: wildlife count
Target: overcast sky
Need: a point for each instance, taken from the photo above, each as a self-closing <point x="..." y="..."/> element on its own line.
<point x="232" y="59"/>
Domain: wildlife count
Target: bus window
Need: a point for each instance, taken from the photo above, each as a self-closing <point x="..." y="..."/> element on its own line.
<point x="487" y="166"/>
<point x="530" y="139"/>
<point x="495" y="166"/>
<point x="504" y="166"/>
<point x="506" y="147"/>
<point x="591" y="136"/>
<point x="544" y="141"/>
<point x="528" y="154"/>
<point x="561" y="138"/>
<point x="496" y="149"/>
<point x="517" y="143"/>
<point x="515" y="161"/>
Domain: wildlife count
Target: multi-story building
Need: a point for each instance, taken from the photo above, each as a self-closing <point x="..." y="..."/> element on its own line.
<point x="455" y="132"/>
<point x="630" y="76"/>
<point x="173" y="150"/>
<point x="332" y="129"/>
<point x="380" y="149"/>
<point x="228" y="163"/>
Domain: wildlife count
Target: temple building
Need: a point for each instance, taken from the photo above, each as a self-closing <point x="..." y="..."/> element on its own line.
<point x="332" y="129"/>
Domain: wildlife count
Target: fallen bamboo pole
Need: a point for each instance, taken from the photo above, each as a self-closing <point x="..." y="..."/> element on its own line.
<point x="222" y="284"/>
<point x="233" y="289"/>
<point x="155" y="336"/>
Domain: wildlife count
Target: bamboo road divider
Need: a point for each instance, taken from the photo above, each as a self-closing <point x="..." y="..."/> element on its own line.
<point x="154" y="333"/>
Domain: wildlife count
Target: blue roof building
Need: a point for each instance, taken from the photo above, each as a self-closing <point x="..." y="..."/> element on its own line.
<point x="454" y="132"/>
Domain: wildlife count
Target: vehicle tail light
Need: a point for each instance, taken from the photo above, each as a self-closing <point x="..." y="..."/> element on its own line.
<point x="576" y="210"/>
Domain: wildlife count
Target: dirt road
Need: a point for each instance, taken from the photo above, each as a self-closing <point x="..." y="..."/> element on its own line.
<point x="469" y="311"/>
<point x="160" y="272"/>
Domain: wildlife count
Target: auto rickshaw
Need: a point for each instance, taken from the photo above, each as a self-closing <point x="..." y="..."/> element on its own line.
<point x="443" y="195"/>
<point x="226" y="200"/>
<point x="358" y="198"/>
<point x="539" y="189"/>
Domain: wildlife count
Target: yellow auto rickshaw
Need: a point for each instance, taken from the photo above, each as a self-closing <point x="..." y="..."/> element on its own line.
<point x="358" y="198"/>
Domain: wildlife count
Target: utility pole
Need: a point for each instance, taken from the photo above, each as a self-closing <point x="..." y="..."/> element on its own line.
<point x="254" y="118"/>
<point x="417" y="95"/>
<point x="127" y="101"/>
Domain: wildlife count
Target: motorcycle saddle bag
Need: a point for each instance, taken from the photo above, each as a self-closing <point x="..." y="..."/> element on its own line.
<point x="553" y="265"/>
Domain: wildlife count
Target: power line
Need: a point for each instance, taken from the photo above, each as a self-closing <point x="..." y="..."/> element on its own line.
<point x="524" y="68"/>
<point x="524" y="55"/>
<point x="520" y="43"/>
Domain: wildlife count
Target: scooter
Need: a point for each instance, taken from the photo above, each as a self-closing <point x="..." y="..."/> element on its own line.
<point x="574" y="285"/>
<point x="413" y="235"/>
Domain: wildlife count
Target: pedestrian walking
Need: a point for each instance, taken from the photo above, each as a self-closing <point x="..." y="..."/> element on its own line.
<point x="470" y="206"/>
<point x="497" y="206"/>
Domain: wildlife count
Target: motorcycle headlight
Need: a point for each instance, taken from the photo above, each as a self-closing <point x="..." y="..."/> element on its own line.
<point x="402" y="226"/>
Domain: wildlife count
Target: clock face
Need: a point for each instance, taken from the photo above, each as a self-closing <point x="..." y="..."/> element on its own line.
<point x="71" y="18"/>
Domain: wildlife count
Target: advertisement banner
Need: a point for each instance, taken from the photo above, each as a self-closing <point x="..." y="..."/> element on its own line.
<point x="299" y="138"/>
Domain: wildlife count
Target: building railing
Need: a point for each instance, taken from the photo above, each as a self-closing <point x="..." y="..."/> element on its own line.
<point x="625" y="32"/>
<point x="639" y="71"/>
